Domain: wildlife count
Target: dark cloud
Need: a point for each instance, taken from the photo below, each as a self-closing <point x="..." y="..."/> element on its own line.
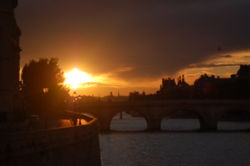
<point x="213" y="65"/>
<point x="227" y="56"/>
<point x="98" y="84"/>
<point x="154" y="37"/>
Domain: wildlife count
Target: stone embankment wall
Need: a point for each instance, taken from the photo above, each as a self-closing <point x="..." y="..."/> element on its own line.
<point x="71" y="146"/>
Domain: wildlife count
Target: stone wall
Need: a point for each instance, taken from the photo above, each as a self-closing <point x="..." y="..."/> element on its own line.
<point x="72" y="146"/>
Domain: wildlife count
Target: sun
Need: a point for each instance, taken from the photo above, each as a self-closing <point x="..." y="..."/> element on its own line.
<point x="75" y="78"/>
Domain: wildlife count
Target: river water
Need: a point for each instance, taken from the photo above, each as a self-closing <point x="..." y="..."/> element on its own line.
<point x="181" y="145"/>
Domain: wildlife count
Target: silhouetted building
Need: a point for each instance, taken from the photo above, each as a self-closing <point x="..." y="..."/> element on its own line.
<point x="235" y="87"/>
<point x="182" y="82"/>
<point x="171" y="89"/>
<point x="9" y="57"/>
<point x="244" y="72"/>
<point x="167" y="85"/>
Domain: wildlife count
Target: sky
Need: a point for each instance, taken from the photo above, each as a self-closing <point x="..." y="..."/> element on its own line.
<point x="132" y="44"/>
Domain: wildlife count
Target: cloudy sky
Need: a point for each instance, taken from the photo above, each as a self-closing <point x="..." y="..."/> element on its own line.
<point x="132" y="44"/>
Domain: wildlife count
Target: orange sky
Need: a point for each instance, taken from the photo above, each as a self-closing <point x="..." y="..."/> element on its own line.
<point x="221" y="64"/>
<point x="131" y="45"/>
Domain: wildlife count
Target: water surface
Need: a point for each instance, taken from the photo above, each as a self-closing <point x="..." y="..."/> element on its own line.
<point x="180" y="146"/>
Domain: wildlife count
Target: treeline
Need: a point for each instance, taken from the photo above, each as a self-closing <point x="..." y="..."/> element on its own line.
<point x="42" y="91"/>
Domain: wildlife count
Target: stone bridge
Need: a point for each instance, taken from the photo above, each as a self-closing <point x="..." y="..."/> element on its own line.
<point x="208" y="112"/>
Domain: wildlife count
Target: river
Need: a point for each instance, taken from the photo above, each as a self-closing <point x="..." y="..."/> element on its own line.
<point x="181" y="145"/>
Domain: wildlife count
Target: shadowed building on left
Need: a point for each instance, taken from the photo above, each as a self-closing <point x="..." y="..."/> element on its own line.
<point x="20" y="142"/>
<point x="9" y="57"/>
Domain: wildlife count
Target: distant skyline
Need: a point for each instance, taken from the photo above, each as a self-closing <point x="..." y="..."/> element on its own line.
<point x="131" y="45"/>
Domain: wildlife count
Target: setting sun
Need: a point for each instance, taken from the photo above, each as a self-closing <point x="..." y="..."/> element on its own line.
<point x="75" y="78"/>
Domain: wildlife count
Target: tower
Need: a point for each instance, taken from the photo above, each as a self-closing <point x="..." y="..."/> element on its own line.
<point x="9" y="56"/>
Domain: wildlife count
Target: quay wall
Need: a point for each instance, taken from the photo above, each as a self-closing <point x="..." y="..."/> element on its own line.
<point x="71" y="146"/>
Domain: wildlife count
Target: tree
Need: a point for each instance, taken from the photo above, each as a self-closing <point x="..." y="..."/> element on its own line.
<point x="42" y="87"/>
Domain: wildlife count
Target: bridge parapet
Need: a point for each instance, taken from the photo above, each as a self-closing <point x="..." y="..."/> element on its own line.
<point x="207" y="111"/>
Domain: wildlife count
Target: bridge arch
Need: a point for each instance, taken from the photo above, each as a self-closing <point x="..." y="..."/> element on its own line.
<point x="182" y="120"/>
<point x="130" y="118"/>
<point x="234" y="119"/>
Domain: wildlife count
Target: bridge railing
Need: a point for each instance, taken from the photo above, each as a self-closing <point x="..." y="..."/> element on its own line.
<point x="72" y="115"/>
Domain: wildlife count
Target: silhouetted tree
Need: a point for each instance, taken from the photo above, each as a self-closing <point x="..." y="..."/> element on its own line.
<point x="42" y="87"/>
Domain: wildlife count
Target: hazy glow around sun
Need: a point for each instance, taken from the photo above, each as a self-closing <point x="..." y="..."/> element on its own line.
<point x="75" y="78"/>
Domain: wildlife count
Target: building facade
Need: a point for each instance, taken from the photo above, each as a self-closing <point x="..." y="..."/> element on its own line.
<point x="9" y="56"/>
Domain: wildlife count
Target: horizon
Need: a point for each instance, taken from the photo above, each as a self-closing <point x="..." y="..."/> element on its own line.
<point x="117" y="92"/>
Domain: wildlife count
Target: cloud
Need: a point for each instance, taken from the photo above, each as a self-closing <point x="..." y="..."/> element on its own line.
<point x="218" y="65"/>
<point x="98" y="84"/>
<point x="227" y="56"/>
<point x="150" y="38"/>
<point x="211" y="65"/>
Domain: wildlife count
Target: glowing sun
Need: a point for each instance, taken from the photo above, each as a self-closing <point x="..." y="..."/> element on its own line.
<point x="75" y="78"/>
